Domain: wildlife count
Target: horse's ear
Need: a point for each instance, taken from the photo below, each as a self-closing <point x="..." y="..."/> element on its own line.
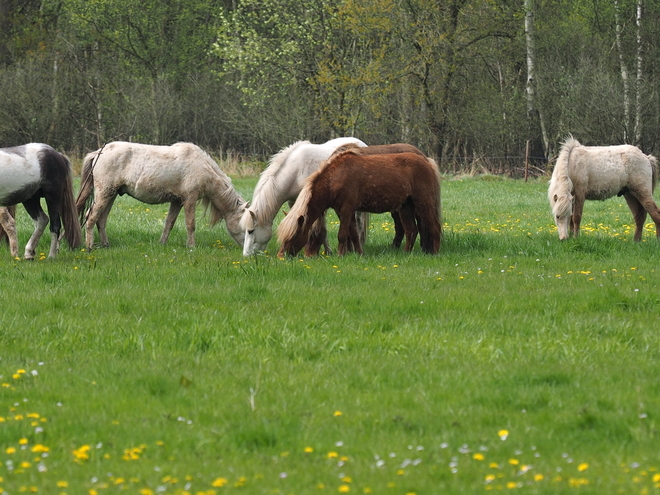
<point x="247" y="205"/>
<point x="555" y="198"/>
<point x="285" y="212"/>
<point x="254" y="217"/>
<point x="301" y="221"/>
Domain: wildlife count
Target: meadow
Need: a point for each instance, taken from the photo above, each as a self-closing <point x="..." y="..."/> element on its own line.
<point x="510" y="361"/>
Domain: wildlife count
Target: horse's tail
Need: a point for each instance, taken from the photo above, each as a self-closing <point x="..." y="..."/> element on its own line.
<point x="654" y="171"/>
<point x="86" y="185"/>
<point x="68" y="211"/>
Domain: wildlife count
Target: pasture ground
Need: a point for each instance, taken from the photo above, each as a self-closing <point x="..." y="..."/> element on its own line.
<point x="510" y="361"/>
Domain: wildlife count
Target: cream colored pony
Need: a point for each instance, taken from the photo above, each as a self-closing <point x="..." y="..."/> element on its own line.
<point x="180" y="174"/>
<point x="600" y="172"/>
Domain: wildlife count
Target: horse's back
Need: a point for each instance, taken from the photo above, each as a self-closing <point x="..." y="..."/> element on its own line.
<point x="600" y="172"/>
<point x="20" y="171"/>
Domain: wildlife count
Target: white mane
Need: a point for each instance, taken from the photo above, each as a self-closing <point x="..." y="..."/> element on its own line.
<point x="560" y="192"/>
<point x="281" y="181"/>
<point x="288" y="227"/>
<point x="264" y="199"/>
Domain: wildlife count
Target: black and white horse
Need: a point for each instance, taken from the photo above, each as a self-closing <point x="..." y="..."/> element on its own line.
<point x="27" y="174"/>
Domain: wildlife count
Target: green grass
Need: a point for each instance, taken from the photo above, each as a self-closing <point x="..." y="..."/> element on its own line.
<point x="389" y="373"/>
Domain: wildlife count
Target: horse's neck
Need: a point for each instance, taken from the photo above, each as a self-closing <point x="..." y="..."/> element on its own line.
<point x="279" y="188"/>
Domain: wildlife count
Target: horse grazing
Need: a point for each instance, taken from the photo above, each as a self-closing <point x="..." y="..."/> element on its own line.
<point x="600" y="172"/>
<point x="180" y="174"/>
<point x="282" y="181"/>
<point x="27" y="174"/>
<point x="350" y="182"/>
<point x="382" y="149"/>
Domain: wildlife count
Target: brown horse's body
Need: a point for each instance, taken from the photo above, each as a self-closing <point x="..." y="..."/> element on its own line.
<point x="384" y="149"/>
<point x="404" y="182"/>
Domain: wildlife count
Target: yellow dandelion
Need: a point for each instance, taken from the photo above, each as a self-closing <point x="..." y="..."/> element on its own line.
<point x="478" y="456"/>
<point x="10" y="450"/>
<point x="503" y="434"/>
<point x="583" y="467"/>
<point x="332" y="455"/>
<point x="514" y="462"/>
<point x="219" y="482"/>
<point x="538" y="477"/>
<point x="62" y="484"/>
<point x="511" y="485"/>
<point x="308" y="450"/>
<point x="336" y="414"/>
<point x="344" y="489"/>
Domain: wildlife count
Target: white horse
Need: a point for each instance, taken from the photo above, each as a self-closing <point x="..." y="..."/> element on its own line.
<point x="600" y="172"/>
<point x="180" y="174"/>
<point x="282" y="181"/>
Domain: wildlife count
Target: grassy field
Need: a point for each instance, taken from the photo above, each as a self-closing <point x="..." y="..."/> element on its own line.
<point x="510" y="361"/>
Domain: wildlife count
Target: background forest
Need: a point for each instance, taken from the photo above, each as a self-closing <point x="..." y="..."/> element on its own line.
<point x="471" y="82"/>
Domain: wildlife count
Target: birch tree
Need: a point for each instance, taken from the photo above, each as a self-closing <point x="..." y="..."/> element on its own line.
<point x="534" y="111"/>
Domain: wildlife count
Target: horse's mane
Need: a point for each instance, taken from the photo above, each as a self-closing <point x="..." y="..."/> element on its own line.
<point x="561" y="186"/>
<point x="264" y="199"/>
<point x="289" y="224"/>
<point x="227" y="195"/>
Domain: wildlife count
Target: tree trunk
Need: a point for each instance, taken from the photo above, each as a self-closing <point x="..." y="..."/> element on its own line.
<point x="624" y="72"/>
<point x="638" y="83"/>
<point x="534" y="111"/>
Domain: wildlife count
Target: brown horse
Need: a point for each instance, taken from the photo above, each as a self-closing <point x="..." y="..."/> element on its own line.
<point x="383" y="149"/>
<point x="350" y="182"/>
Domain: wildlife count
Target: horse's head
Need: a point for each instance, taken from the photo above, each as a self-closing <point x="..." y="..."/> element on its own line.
<point x="292" y="235"/>
<point x="562" y="211"/>
<point x="257" y="234"/>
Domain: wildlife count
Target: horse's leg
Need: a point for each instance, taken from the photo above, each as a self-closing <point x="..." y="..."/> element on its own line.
<point x="101" y="206"/>
<point x="426" y="217"/>
<point x="102" y="222"/>
<point x="172" y="214"/>
<point x="189" y="210"/>
<point x="362" y="225"/>
<point x="355" y="236"/>
<point x="638" y="213"/>
<point x="9" y="225"/>
<point x="53" y="205"/>
<point x="347" y="231"/>
<point x="576" y="218"/>
<point x="318" y="235"/>
<point x="652" y="209"/>
<point x="407" y="217"/>
<point x="398" y="230"/>
<point x="33" y="207"/>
